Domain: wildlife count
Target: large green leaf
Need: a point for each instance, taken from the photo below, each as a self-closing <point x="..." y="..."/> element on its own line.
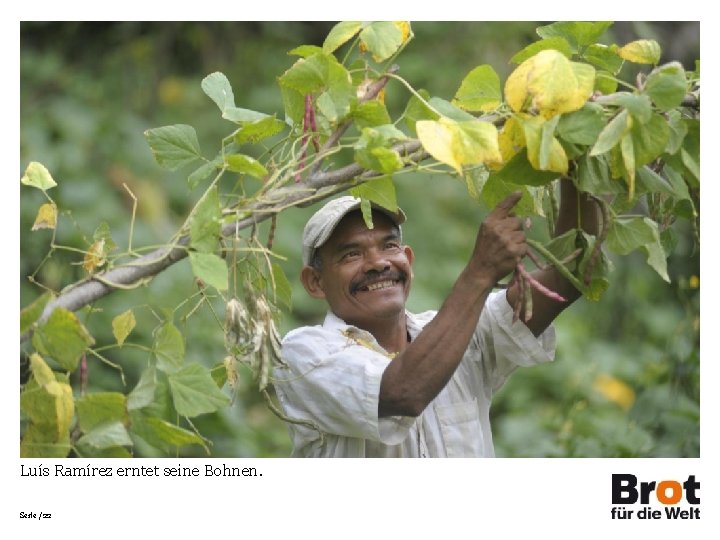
<point x="341" y="33"/>
<point x="446" y="108"/>
<point x="604" y="58"/>
<point x="210" y="268"/>
<point x="242" y="164"/>
<point x="217" y="87"/>
<point x="205" y="223"/>
<point x="583" y="126"/>
<point x="372" y="151"/>
<point x="37" y="176"/>
<point x="578" y="34"/>
<point x="479" y="90"/>
<point x="252" y="132"/>
<point x="99" y="408"/>
<point x="678" y="130"/>
<point x="612" y="133"/>
<point x="497" y="189"/>
<point x="63" y="338"/>
<point x="382" y="39"/>
<point x="161" y="433"/>
<point x="666" y="85"/>
<point x="169" y="348"/>
<point x="557" y="43"/>
<point x="370" y="114"/>
<point x="203" y="172"/>
<point x="194" y="392"/>
<point x="638" y="105"/>
<point x="106" y="436"/>
<point x="37" y="442"/>
<point x="649" y="140"/>
<point x="417" y="110"/>
<point x="628" y="234"/>
<point x="519" y="171"/>
<point x="174" y="146"/>
<point x="380" y="191"/>
<point x="144" y="392"/>
<point x="30" y="314"/>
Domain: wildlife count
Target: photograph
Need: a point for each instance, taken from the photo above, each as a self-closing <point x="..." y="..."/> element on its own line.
<point x="248" y="242"/>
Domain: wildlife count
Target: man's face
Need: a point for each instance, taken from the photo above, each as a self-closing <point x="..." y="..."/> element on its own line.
<point x="366" y="273"/>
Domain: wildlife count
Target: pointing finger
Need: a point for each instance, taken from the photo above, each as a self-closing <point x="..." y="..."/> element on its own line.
<point x="511" y="200"/>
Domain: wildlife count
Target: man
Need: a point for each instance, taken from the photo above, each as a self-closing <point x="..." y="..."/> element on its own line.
<point x="375" y="380"/>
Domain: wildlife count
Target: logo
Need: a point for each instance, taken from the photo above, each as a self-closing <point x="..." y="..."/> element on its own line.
<point x="676" y="500"/>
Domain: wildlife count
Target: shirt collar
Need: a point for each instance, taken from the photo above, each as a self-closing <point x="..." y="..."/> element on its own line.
<point x="333" y="322"/>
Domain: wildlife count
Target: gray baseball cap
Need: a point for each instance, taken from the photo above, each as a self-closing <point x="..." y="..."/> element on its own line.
<point x="323" y="222"/>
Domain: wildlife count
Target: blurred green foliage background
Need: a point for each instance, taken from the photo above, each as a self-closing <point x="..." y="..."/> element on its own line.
<point x="625" y="382"/>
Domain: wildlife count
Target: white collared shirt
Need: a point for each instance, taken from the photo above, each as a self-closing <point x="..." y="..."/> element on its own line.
<point x="333" y="381"/>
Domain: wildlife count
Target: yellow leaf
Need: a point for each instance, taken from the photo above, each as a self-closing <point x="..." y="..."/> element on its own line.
<point x="459" y="143"/>
<point x="95" y="256"/>
<point x="614" y="390"/>
<point x="64" y="406"/>
<point x="555" y="160"/>
<point x="404" y="27"/>
<point x="642" y="51"/>
<point x="40" y="370"/>
<point x="46" y="217"/>
<point x="122" y="325"/>
<point x="511" y="139"/>
<point x="550" y="84"/>
<point x="627" y="151"/>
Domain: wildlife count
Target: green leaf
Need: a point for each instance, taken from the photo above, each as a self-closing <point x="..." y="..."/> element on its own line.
<point x="449" y="110"/>
<point x="678" y="130"/>
<point x="544" y="152"/>
<point x="305" y="50"/>
<point x="283" y="289"/>
<point x="122" y="325"/>
<point x="253" y="132"/>
<point x="205" y="223"/>
<point x="242" y="164"/>
<point x="174" y="146"/>
<point x="294" y="104"/>
<point x="666" y="85"/>
<point x="37" y="176"/>
<point x="649" y="140"/>
<point x="380" y="191"/>
<point x="372" y="152"/>
<point x="370" y="114"/>
<point x="641" y="51"/>
<point x="49" y="406"/>
<point x="63" y="338"/>
<point x="578" y="34"/>
<point x="382" y="39"/>
<point x="144" y="392"/>
<point x="30" y="314"/>
<point x="605" y="83"/>
<point x="194" y="392"/>
<point x="519" y="171"/>
<point x="690" y="164"/>
<point x="583" y="126"/>
<point x="169" y="348"/>
<point x="612" y="133"/>
<point x="479" y="90"/>
<point x="656" y="257"/>
<point x="628" y="234"/>
<point x="417" y="110"/>
<point x="309" y="74"/>
<point x="604" y="58"/>
<point x="37" y="442"/>
<point x="106" y="436"/>
<point x="99" y="408"/>
<point x="162" y="434"/>
<point x="650" y="181"/>
<point x="496" y="189"/>
<point x="341" y="33"/>
<point x="217" y="87"/>
<point x="680" y="188"/>
<point x="210" y="268"/>
<point x="638" y="106"/>
<point x="557" y="43"/>
<point x="203" y="172"/>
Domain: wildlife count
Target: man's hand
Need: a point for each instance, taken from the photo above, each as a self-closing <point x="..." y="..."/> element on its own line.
<point x="500" y="243"/>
